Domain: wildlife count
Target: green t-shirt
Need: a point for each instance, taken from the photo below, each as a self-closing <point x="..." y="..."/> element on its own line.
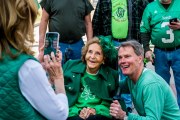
<point x="88" y="99"/>
<point x="155" y="20"/>
<point x="119" y="19"/>
<point x="152" y="97"/>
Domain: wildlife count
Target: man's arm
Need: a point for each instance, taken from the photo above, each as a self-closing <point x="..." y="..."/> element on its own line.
<point x="145" y="31"/>
<point x="145" y="39"/>
<point x="88" y="24"/>
<point x="42" y="28"/>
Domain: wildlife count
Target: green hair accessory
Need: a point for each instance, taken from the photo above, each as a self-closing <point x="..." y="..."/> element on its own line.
<point x="108" y="48"/>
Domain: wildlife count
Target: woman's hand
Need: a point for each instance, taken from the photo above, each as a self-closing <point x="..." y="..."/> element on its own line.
<point x="41" y="57"/>
<point x="54" y="69"/>
<point x="86" y="112"/>
<point x="41" y="54"/>
<point x="116" y="111"/>
<point x="58" y="56"/>
<point x="53" y="66"/>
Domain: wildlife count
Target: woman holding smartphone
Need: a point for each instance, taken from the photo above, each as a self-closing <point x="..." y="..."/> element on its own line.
<point x="25" y="92"/>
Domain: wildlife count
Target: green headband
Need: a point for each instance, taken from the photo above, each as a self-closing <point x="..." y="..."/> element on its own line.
<point x="108" y="48"/>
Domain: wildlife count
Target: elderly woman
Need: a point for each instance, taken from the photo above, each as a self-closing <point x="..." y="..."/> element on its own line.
<point x="89" y="83"/>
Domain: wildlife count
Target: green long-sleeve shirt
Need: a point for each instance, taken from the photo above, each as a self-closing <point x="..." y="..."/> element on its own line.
<point x="88" y="99"/>
<point x="152" y="97"/>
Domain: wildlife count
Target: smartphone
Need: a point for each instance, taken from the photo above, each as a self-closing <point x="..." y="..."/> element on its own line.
<point x="51" y="42"/>
<point x="173" y="20"/>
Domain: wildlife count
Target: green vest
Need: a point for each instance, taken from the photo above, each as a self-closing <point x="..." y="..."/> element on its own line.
<point x="13" y="105"/>
<point x="37" y="4"/>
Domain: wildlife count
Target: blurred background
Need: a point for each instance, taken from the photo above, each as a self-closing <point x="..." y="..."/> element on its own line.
<point x="94" y="2"/>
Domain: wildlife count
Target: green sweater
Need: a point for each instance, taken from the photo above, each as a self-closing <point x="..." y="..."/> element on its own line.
<point x="13" y="105"/>
<point x="87" y="99"/>
<point x="104" y="88"/>
<point x="152" y="98"/>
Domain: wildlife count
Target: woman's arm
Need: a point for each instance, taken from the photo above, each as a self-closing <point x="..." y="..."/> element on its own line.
<point x="37" y="90"/>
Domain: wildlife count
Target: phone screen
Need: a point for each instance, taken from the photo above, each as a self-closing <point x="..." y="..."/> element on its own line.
<point x="51" y="42"/>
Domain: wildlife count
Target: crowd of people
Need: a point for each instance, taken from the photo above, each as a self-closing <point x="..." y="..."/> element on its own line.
<point x="100" y="80"/>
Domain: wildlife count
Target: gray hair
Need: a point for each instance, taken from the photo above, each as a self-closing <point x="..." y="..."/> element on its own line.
<point x="138" y="49"/>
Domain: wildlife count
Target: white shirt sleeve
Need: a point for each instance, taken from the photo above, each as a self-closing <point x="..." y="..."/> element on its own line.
<point x="36" y="88"/>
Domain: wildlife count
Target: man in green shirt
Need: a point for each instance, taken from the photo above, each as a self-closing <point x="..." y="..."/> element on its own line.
<point x="152" y="97"/>
<point x="119" y="19"/>
<point x="156" y="27"/>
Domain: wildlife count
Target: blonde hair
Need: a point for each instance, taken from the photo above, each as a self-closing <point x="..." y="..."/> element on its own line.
<point x="86" y="47"/>
<point x="17" y="18"/>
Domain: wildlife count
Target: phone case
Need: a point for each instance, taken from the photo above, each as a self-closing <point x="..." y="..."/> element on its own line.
<point x="173" y="20"/>
<point x="51" y="42"/>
